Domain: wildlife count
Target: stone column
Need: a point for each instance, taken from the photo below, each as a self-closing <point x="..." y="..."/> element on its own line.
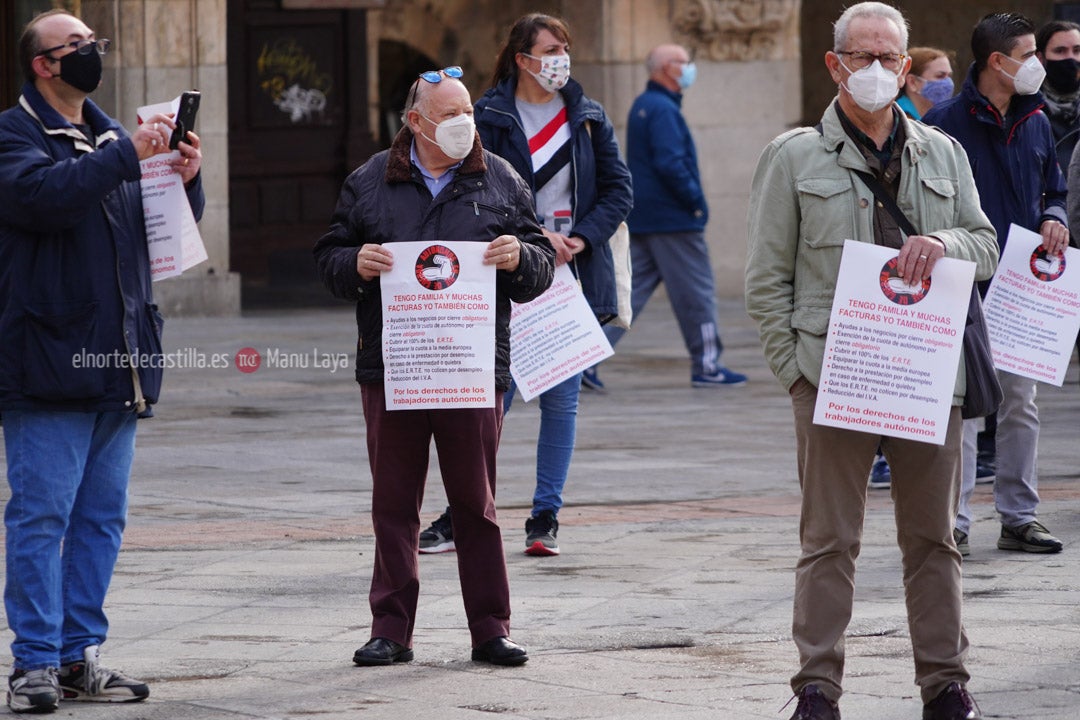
<point x="748" y="90"/>
<point x="163" y="47"/>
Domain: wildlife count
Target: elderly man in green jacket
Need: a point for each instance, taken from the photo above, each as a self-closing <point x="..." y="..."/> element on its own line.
<point x="806" y="201"/>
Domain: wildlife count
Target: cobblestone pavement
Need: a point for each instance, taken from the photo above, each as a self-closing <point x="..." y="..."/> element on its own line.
<point x="241" y="589"/>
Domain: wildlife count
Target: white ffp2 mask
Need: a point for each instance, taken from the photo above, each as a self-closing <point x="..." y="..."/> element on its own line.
<point x="872" y="88"/>
<point x="1029" y="78"/>
<point x="454" y="136"/>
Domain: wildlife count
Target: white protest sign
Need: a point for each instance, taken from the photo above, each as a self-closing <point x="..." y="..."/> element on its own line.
<point x="893" y="350"/>
<point x="1032" y="308"/>
<point x="554" y="337"/>
<point x="438" y="309"/>
<point x="171" y="232"/>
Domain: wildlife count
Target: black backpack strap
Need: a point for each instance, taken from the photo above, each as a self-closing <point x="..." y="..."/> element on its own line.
<point x="887" y="202"/>
<point x="882" y="196"/>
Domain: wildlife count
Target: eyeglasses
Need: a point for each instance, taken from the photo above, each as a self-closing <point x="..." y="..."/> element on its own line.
<point x="433" y="77"/>
<point x="861" y="59"/>
<point x="83" y="47"/>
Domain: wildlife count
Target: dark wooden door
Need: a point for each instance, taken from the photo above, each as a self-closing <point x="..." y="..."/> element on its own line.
<point x="298" y="124"/>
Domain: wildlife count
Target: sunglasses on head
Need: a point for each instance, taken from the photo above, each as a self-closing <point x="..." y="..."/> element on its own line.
<point x="433" y="77"/>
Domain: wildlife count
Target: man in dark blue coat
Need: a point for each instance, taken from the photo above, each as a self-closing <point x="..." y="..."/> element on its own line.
<point x="667" y="224"/>
<point x="80" y="355"/>
<point x="998" y="119"/>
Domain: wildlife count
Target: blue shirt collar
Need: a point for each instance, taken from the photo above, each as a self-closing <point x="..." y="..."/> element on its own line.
<point x="434" y="184"/>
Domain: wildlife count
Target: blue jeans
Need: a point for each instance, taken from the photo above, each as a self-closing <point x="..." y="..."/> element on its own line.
<point x="555" y="445"/>
<point x="681" y="262"/>
<point x="68" y="473"/>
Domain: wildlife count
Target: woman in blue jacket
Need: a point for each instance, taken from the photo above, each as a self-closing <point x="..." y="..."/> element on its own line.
<point x="564" y="146"/>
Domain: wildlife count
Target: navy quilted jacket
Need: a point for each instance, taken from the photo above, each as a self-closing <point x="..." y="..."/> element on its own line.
<point x="75" y="295"/>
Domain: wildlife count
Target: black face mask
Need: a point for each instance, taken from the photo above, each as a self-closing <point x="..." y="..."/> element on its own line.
<point x="82" y="72"/>
<point x="1061" y="75"/>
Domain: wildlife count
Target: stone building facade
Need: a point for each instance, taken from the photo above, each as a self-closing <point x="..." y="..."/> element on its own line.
<point x="273" y="163"/>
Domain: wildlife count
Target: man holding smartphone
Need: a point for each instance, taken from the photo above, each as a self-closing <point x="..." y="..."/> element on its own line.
<point x="75" y="278"/>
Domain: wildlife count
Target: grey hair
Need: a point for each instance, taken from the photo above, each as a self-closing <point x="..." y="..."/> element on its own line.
<point x="412" y="100"/>
<point x="652" y="60"/>
<point x="868" y="9"/>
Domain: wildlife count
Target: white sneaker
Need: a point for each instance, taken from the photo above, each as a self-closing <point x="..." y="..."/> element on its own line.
<point x="89" y="682"/>
<point x="33" y="691"/>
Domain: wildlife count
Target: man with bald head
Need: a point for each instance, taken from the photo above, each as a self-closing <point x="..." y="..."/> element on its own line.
<point x="667" y="223"/>
<point x="435" y="183"/>
<point x="80" y="355"/>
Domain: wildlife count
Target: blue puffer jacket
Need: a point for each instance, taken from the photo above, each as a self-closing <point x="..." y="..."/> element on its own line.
<point x="602" y="193"/>
<point x="1015" y="165"/>
<point x="75" y="296"/>
<point x="660" y="152"/>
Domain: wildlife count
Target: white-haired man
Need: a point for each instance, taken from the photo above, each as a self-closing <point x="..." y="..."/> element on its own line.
<point x="804" y="203"/>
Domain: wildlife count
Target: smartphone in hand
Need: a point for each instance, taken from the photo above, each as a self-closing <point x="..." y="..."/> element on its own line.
<point x="185" y="117"/>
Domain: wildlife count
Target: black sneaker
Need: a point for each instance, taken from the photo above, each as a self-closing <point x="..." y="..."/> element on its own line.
<point x="438" y="538"/>
<point x="953" y="703"/>
<point x="1032" y="537"/>
<point x="33" y="691"/>
<point x="813" y="705"/>
<point x="723" y="377"/>
<point x="86" y="680"/>
<point x="961" y="539"/>
<point x="540" y="532"/>
<point x="590" y="379"/>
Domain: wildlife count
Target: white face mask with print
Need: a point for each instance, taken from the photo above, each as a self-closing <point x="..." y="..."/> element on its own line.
<point x="554" y="71"/>
<point x="454" y="136"/>
<point x="1029" y="78"/>
<point x="872" y="88"/>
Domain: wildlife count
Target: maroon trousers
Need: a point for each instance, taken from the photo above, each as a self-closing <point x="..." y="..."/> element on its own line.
<point x="398" y="444"/>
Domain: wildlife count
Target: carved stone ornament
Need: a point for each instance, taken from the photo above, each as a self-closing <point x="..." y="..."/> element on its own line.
<point x="740" y="29"/>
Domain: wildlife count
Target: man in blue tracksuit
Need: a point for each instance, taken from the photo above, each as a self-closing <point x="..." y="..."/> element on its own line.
<point x="998" y="119"/>
<point x="667" y="224"/>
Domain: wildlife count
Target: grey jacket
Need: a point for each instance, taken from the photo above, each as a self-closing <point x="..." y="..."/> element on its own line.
<point x="805" y="201"/>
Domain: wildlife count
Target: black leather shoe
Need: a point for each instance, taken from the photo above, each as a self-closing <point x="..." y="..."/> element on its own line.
<point x="814" y="705"/>
<point x="380" y="651"/>
<point x="500" y="651"/>
<point x="952" y="703"/>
